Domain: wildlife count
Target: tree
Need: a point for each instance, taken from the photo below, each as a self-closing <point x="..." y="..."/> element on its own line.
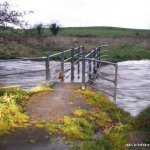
<point x="54" y="27"/>
<point x="39" y="28"/>
<point x="9" y="17"/>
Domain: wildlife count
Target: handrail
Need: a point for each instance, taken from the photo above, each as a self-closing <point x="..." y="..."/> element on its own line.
<point x="77" y="60"/>
<point x="102" y="61"/>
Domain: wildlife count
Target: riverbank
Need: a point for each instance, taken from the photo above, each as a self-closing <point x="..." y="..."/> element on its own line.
<point x="97" y="116"/>
<point x="124" y="44"/>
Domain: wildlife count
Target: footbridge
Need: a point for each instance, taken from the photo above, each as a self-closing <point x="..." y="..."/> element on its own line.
<point x="74" y="65"/>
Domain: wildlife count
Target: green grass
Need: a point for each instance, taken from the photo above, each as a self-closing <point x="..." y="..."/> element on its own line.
<point x="103" y="31"/>
<point x="82" y="31"/>
<point x="127" y="51"/>
<point x="13" y="108"/>
<point x="126" y="44"/>
<point x="82" y="124"/>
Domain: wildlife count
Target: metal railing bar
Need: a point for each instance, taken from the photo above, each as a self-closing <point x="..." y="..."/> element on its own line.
<point x="101" y="61"/>
<point x="87" y="55"/>
<point x="105" y="78"/>
<point x="101" y="77"/>
<point x="54" y="54"/>
<point x="78" y="53"/>
<point x="67" y="59"/>
<point x="67" y="50"/>
<point x="100" y="90"/>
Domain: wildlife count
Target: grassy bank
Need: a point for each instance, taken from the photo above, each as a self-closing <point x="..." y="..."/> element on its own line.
<point x="128" y="51"/>
<point x="117" y="126"/>
<point x="125" y="44"/>
<point x="13" y="108"/>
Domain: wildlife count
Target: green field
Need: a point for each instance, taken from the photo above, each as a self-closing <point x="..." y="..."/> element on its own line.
<point x="103" y="31"/>
<point x="82" y="31"/>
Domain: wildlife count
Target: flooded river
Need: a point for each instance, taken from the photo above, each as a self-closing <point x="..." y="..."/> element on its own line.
<point x="133" y="89"/>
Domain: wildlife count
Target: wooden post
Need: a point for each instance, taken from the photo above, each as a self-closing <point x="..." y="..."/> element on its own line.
<point x="47" y="71"/>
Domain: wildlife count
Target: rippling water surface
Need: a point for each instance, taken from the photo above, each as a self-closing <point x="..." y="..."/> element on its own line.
<point x="134" y="85"/>
<point x="133" y="90"/>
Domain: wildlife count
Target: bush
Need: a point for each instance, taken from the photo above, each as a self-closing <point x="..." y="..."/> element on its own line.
<point x="54" y="27"/>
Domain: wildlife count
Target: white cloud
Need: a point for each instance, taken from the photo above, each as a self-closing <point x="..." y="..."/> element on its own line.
<point x="123" y="13"/>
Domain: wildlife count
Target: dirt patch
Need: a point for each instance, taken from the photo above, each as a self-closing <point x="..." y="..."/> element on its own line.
<point x="52" y="105"/>
<point x="48" y="105"/>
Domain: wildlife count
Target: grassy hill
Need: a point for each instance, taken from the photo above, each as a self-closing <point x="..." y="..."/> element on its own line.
<point x="104" y="31"/>
<point x="82" y="31"/>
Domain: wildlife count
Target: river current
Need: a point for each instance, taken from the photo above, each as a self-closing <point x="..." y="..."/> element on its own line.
<point x="133" y="89"/>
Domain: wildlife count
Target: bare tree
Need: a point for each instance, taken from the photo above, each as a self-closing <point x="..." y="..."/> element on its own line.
<point x="11" y="17"/>
<point x="8" y="19"/>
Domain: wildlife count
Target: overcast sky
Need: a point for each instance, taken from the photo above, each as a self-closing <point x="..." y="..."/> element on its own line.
<point x="118" y="13"/>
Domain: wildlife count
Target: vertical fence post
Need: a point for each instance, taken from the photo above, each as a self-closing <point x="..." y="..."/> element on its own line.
<point x="115" y="88"/>
<point x="90" y="65"/>
<point x="79" y="61"/>
<point x="96" y="50"/>
<point x="47" y="71"/>
<point x="62" y="67"/>
<point x="99" y="53"/>
<point x="93" y="61"/>
<point x="72" y="64"/>
<point x="83" y="70"/>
